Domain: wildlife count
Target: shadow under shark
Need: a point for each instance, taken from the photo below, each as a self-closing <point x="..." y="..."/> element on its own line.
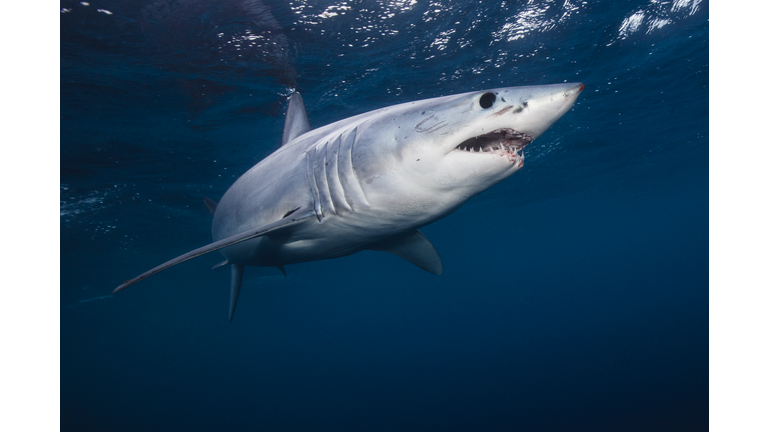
<point x="369" y="182"/>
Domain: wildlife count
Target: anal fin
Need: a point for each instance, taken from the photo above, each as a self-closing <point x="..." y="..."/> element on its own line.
<point x="412" y="246"/>
<point x="282" y="270"/>
<point x="234" y="288"/>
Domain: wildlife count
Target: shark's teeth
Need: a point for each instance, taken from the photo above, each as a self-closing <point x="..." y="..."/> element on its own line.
<point x="512" y="149"/>
<point x="491" y="149"/>
<point x="503" y="140"/>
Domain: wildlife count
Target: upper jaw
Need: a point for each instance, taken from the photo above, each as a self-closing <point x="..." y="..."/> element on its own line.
<point x="503" y="139"/>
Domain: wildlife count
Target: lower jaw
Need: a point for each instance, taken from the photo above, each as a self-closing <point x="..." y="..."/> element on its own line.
<point x="513" y="157"/>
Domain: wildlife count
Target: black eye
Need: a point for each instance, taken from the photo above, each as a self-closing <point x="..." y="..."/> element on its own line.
<point x="487" y="100"/>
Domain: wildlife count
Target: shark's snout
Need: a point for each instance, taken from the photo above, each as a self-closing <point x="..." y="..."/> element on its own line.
<point x="576" y="89"/>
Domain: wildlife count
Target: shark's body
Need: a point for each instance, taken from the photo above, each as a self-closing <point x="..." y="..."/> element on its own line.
<point x="370" y="181"/>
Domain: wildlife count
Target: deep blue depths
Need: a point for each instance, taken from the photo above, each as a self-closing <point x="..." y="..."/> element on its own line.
<point x="575" y="293"/>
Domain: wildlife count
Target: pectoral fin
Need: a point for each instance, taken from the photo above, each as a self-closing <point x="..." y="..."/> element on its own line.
<point x="414" y="247"/>
<point x="296" y="217"/>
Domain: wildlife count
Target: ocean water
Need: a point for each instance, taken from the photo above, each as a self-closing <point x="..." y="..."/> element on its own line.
<point x="574" y="294"/>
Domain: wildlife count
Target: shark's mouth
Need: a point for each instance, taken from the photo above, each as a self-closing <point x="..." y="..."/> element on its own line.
<point x="500" y="140"/>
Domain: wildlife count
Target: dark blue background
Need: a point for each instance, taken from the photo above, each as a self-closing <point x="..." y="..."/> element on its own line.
<point x="575" y="293"/>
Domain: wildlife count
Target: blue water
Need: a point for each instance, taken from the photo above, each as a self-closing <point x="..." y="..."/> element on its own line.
<point x="574" y="295"/>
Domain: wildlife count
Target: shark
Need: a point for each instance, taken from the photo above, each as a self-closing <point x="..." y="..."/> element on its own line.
<point x="370" y="181"/>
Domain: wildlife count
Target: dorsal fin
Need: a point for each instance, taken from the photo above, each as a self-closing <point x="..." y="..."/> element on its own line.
<point x="296" y="121"/>
<point x="211" y="204"/>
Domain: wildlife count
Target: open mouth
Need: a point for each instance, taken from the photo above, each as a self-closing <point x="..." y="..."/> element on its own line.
<point x="500" y="140"/>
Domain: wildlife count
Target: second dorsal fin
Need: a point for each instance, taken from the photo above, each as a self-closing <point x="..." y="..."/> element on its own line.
<point x="211" y="204"/>
<point x="296" y="121"/>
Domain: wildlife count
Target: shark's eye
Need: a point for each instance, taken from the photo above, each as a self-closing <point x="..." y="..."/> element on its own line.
<point x="487" y="100"/>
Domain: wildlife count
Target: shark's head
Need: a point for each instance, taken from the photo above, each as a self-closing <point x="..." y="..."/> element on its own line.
<point x="445" y="150"/>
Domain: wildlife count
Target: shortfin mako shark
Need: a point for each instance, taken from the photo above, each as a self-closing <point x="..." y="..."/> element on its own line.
<point x="369" y="182"/>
